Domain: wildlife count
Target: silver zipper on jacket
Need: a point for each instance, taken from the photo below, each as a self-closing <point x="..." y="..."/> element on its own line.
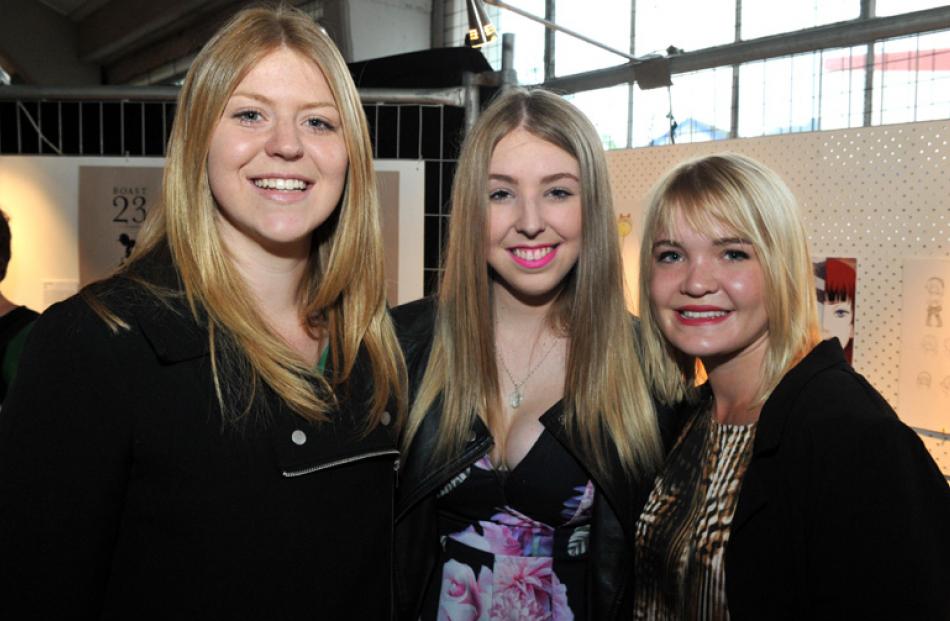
<point x="339" y="462"/>
<point x="392" y="541"/>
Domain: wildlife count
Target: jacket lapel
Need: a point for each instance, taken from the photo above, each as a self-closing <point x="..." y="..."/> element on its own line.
<point x="612" y="489"/>
<point x="760" y="476"/>
<point x="300" y="447"/>
<point x="419" y="477"/>
<point x="169" y="325"/>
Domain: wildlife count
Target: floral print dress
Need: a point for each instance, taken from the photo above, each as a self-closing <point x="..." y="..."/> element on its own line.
<point x="515" y="543"/>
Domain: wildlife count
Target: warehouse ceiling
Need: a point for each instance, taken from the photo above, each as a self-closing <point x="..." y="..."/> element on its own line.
<point x="153" y="42"/>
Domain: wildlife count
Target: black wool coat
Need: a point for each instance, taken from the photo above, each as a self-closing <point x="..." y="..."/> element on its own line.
<point x="842" y="513"/>
<point x="123" y="496"/>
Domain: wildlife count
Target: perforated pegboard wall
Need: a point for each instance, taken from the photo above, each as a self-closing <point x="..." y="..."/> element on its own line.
<point x="879" y="194"/>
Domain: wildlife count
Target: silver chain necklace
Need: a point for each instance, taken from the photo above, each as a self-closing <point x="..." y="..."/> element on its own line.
<point x="516" y="397"/>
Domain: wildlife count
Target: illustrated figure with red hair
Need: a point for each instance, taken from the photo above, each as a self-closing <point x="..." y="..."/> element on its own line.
<point x="836" y="300"/>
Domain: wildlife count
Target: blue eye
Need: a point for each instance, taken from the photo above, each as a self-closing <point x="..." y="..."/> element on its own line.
<point x="841" y="313"/>
<point x="667" y="256"/>
<point x="736" y="255"/>
<point x="320" y="124"/>
<point x="560" y="193"/>
<point x="499" y="195"/>
<point x="248" y="116"/>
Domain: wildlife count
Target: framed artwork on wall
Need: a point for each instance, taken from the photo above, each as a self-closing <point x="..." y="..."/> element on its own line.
<point x="924" y="391"/>
<point x="835" y="285"/>
<point x="113" y="204"/>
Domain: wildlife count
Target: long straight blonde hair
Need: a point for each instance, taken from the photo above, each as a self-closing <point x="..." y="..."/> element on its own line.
<point x="343" y="288"/>
<point x="751" y="200"/>
<point x="605" y="396"/>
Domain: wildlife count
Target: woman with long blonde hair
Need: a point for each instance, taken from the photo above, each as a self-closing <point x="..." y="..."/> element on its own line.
<point x="532" y="436"/>
<point x="208" y="433"/>
<point x="793" y="491"/>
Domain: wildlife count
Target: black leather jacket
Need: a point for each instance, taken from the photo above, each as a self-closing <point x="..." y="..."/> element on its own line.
<point x="617" y="502"/>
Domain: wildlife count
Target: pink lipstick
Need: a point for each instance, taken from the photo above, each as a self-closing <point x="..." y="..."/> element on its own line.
<point x="701" y="315"/>
<point x="533" y="257"/>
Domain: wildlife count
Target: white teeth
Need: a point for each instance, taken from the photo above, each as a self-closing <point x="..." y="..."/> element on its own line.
<point x="532" y="254"/>
<point x="281" y="184"/>
<point x="702" y="314"/>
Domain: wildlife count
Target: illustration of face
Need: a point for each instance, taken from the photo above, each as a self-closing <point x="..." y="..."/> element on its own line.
<point x="534" y="217"/>
<point x="929" y="344"/>
<point x="837" y="320"/>
<point x="935" y="287"/>
<point x="708" y="292"/>
<point x="277" y="161"/>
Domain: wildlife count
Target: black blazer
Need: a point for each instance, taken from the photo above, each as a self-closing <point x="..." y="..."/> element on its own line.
<point x="842" y="513"/>
<point x="617" y="502"/>
<point x="123" y="496"/>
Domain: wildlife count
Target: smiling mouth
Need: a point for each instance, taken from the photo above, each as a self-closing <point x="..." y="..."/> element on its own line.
<point x="533" y="258"/>
<point x="711" y="314"/>
<point x="281" y="185"/>
<point x="532" y="254"/>
<point x="701" y="316"/>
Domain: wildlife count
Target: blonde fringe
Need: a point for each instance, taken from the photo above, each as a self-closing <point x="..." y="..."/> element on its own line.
<point x="746" y="196"/>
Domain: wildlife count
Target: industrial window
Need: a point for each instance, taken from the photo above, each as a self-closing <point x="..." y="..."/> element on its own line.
<point x="890" y="80"/>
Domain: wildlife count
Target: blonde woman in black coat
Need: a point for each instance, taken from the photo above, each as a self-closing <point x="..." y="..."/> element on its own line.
<point x="793" y="491"/>
<point x="207" y="434"/>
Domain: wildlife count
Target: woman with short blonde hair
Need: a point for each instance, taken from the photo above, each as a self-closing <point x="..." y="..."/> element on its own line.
<point x="737" y="192"/>
<point x="793" y="485"/>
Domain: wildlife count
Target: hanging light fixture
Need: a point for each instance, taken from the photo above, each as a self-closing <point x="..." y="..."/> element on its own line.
<point x="480" y="29"/>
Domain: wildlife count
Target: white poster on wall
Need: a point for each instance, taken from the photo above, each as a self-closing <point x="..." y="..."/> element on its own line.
<point x="402" y="203"/>
<point x="924" y="391"/>
<point x="113" y="203"/>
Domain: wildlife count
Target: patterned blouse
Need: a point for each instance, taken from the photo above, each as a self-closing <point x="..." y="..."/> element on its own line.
<point x="684" y="528"/>
<point x="514" y="543"/>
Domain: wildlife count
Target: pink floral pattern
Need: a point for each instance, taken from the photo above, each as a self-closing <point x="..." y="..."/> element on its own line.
<point x="463" y="598"/>
<point x="509" y="533"/>
<point x="521" y="589"/>
<point x="578" y="506"/>
<point x="484" y="463"/>
<point x="512" y="553"/>
<point x="527" y="589"/>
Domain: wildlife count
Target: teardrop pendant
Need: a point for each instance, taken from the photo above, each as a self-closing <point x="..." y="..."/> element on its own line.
<point x="516" y="398"/>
